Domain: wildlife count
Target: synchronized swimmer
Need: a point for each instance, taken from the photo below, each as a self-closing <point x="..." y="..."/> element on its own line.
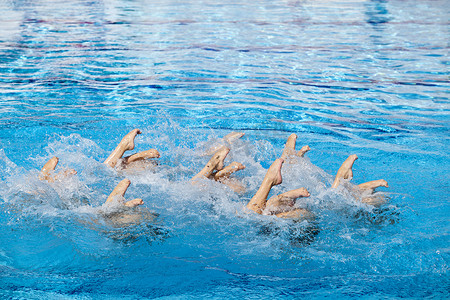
<point x="282" y="205"/>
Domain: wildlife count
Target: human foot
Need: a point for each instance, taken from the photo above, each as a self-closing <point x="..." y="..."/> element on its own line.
<point x="345" y="171"/>
<point x="127" y="143"/>
<point x="273" y="175"/>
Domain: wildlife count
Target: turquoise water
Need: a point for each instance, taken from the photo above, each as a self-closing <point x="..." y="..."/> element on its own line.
<point x="348" y="77"/>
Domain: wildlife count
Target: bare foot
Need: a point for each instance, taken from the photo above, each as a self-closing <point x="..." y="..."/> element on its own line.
<point x="273" y="175"/>
<point x="228" y="170"/>
<point x="215" y="163"/>
<point x="127" y="143"/>
<point x="134" y="202"/>
<point x="345" y="171"/>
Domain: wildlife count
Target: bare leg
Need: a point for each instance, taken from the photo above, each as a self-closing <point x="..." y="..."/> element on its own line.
<point x="273" y="177"/>
<point x="152" y="153"/>
<point x="215" y="163"/>
<point x="345" y="171"/>
<point x="372" y="185"/>
<point x="120" y="189"/>
<point x="289" y="148"/>
<point x="298" y="214"/>
<point x="49" y="166"/>
<point x="284" y="202"/>
<point x="127" y="143"/>
<point x="228" y="170"/>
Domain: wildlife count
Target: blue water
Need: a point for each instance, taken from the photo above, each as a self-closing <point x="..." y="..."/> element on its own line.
<point x="348" y="77"/>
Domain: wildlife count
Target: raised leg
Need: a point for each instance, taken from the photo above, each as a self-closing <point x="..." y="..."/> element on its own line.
<point x="215" y="163"/>
<point x="285" y="202"/>
<point x="345" y="171"/>
<point x="372" y="185"/>
<point x="127" y="143"/>
<point x="120" y="189"/>
<point x="272" y="177"/>
<point x="49" y="166"/>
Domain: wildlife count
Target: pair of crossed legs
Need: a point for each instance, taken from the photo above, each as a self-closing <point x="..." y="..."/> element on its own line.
<point x="126" y="144"/>
<point x="281" y="205"/>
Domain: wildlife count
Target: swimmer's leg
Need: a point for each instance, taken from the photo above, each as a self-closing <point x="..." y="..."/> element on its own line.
<point x="298" y="214"/>
<point x="284" y="202"/>
<point x="372" y="185"/>
<point x="228" y="170"/>
<point x="152" y="153"/>
<point x="120" y="189"/>
<point x="345" y="171"/>
<point x="289" y="148"/>
<point x="49" y="166"/>
<point x="127" y="143"/>
<point x="272" y="177"/>
<point x="215" y="163"/>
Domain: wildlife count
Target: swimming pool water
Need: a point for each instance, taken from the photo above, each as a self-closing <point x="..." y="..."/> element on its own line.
<point x="348" y="77"/>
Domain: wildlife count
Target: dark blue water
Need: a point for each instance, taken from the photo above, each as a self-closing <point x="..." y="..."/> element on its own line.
<point x="348" y="77"/>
